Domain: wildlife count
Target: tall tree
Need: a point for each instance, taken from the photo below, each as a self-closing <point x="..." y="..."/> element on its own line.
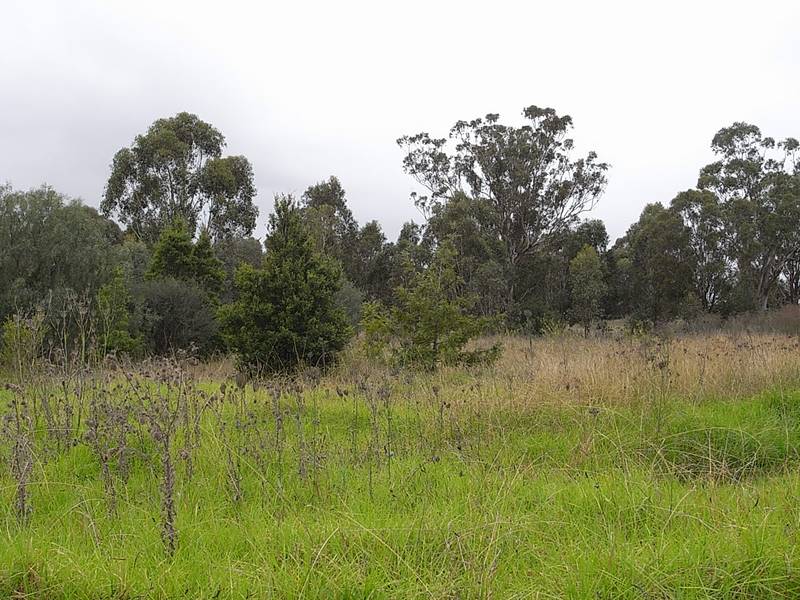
<point x="543" y="278"/>
<point x="331" y="223"/>
<point x="372" y="267"/>
<point x="176" y="170"/>
<point x="757" y="180"/>
<point x="480" y="255"/>
<point x="526" y="174"/>
<point x="703" y="214"/>
<point x="657" y="253"/>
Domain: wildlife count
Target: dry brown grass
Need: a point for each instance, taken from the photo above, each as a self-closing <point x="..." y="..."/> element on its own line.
<point x="621" y="370"/>
<point x="606" y="371"/>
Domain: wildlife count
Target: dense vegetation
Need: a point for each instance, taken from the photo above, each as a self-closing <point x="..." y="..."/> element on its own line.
<point x="509" y="201"/>
<point x="190" y="412"/>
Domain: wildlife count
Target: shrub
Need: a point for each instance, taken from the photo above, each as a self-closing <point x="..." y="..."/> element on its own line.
<point x="175" y="256"/>
<point x="350" y="299"/>
<point x="21" y="343"/>
<point x="113" y="311"/>
<point x="430" y="323"/>
<point x="176" y="315"/>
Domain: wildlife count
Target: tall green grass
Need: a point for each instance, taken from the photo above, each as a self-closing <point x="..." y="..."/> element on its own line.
<point x="674" y="499"/>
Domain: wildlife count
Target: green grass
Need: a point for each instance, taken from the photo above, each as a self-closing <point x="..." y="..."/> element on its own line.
<point x="678" y="500"/>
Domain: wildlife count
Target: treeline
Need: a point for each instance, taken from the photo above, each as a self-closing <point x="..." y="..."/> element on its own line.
<point x="169" y="262"/>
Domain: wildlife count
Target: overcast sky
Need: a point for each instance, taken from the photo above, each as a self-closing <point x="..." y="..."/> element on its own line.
<point x="310" y="89"/>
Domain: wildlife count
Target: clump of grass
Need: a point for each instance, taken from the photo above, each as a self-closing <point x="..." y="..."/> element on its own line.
<point x="728" y="443"/>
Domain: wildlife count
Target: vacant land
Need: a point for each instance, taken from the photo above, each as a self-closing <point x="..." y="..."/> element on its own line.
<point x="630" y="467"/>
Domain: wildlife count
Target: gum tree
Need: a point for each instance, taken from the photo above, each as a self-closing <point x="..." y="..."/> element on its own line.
<point x="527" y="175"/>
<point x="758" y="181"/>
<point x="176" y="171"/>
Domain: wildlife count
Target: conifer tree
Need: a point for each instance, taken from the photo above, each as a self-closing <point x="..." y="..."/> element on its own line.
<point x="286" y="314"/>
<point x="173" y="254"/>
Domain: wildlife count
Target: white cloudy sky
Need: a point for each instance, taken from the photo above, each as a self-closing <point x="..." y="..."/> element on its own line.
<point x="309" y="89"/>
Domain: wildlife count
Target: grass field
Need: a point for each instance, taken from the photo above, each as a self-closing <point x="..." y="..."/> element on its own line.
<point x="611" y="468"/>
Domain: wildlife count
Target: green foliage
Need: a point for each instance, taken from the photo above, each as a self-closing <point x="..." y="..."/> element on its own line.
<point x="543" y="278"/>
<point x="232" y="253"/>
<point x="207" y="269"/>
<point x="350" y="299"/>
<point x="369" y="263"/>
<point x="430" y="323"/>
<point x="588" y="287"/>
<point x="330" y="222"/>
<point x="175" y="256"/>
<point x="657" y="259"/>
<point x="134" y="257"/>
<point x="705" y="217"/>
<point x="21" y="343"/>
<point x="480" y="259"/>
<point x="176" y="315"/>
<point x="526" y="175"/>
<point x="173" y="253"/>
<point x="176" y="171"/>
<point x="113" y="310"/>
<point x="757" y="182"/>
<point x="374" y="259"/>
<point x="286" y="313"/>
<point x="48" y="245"/>
<point x="377" y="325"/>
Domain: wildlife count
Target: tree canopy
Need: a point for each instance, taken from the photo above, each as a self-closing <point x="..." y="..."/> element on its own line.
<point x="758" y="181"/>
<point x="176" y="171"/>
<point x="505" y="238"/>
<point x="526" y="174"/>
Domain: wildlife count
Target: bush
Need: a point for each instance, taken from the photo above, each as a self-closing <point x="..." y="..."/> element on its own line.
<point x="175" y="256"/>
<point x="350" y="299"/>
<point x="176" y="315"/>
<point x="21" y="343"/>
<point x="114" y="303"/>
<point x="430" y="323"/>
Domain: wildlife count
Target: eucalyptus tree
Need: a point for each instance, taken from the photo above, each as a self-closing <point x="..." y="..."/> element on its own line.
<point x="758" y="181"/>
<point x="526" y="174"/>
<point x="705" y="217"/>
<point x="654" y="263"/>
<point x="176" y="170"/>
<point x="587" y="286"/>
<point x="331" y="224"/>
<point x="480" y="255"/>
